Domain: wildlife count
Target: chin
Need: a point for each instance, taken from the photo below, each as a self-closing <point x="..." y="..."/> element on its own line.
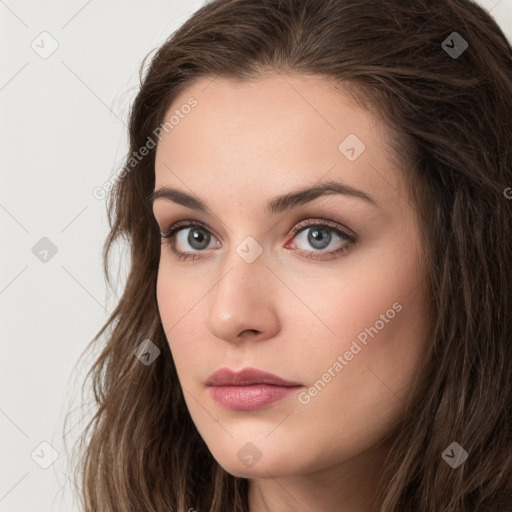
<point x="255" y="472"/>
<point x="264" y="468"/>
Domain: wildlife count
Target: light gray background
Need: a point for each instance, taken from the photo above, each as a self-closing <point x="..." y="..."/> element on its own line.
<point x="63" y="134"/>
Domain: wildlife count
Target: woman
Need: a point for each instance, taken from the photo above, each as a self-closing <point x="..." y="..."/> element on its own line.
<point x="318" y="309"/>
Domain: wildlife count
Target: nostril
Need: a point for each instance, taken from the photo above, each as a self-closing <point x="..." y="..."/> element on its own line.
<point x="247" y="331"/>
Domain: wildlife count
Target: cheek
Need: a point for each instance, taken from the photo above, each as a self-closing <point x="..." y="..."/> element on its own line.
<point x="176" y="295"/>
<point x="361" y="377"/>
<point x="164" y="299"/>
<point x="374" y="314"/>
<point x="180" y="304"/>
<point x="173" y="308"/>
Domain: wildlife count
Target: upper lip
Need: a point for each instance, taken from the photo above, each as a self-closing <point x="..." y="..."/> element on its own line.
<point x="246" y="377"/>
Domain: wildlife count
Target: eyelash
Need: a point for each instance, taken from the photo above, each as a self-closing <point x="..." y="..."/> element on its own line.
<point x="169" y="238"/>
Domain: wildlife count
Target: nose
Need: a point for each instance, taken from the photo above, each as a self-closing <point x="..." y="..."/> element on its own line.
<point x="242" y="305"/>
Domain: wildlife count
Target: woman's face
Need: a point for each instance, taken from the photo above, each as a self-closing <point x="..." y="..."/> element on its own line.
<point x="339" y="309"/>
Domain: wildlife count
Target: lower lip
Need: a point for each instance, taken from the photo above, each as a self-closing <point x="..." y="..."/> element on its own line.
<point x="248" y="398"/>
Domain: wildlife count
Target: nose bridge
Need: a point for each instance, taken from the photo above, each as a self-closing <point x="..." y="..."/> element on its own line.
<point x="245" y="261"/>
<point x="244" y="274"/>
<point x="241" y="299"/>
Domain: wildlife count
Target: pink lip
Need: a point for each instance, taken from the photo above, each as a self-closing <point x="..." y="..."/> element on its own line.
<point x="249" y="389"/>
<point x="246" y="377"/>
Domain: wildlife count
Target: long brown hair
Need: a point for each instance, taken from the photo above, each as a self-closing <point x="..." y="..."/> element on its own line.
<point x="449" y="108"/>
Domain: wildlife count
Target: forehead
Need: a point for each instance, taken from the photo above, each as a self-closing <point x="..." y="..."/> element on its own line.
<point x="274" y="133"/>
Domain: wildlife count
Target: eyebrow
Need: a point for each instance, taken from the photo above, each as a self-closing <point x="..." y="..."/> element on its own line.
<point x="276" y="205"/>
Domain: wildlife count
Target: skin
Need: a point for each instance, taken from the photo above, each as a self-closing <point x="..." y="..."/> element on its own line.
<point x="288" y="313"/>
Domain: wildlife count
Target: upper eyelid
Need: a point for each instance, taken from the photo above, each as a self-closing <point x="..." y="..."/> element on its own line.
<point x="315" y="221"/>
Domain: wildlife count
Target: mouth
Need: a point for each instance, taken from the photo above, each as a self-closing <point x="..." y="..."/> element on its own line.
<point x="249" y="389"/>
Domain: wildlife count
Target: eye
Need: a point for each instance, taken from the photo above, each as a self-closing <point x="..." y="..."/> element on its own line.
<point x="319" y="236"/>
<point x="198" y="238"/>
